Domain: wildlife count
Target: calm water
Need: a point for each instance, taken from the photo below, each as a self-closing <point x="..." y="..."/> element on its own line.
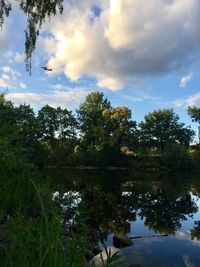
<point x="123" y="204"/>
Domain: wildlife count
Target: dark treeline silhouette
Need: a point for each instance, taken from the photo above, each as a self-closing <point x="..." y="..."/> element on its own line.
<point x="100" y="135"/>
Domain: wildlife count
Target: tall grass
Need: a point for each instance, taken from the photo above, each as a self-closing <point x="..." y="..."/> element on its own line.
<point x="35" y="230"/>
<point x="36" y="237"/>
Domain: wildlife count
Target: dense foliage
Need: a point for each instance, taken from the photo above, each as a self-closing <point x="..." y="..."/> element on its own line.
<point x="161" y="128"/>
<point x="100" y="135"/>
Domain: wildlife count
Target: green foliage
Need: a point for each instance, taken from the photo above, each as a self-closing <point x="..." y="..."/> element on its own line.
<point x="176" y="157"/>
<point x="39" y="241"/>
<point x="34" y="230"/>
<point x="91" y="120"/>
<point x="195" y="232"/>
<point x="161" y="128"/>
<point x="56" y="124"/>
<point x="8" y="129"/>
<point x="16" y="189"/>
<point x="37" y="12"/>
<point x="119" y="126"/>
<point x="105" y="129"/>
<point x="195" y="157"/>
<point x="194" y="113"/>
<point x="100" y="136"/>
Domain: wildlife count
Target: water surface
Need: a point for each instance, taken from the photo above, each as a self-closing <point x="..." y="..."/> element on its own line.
<point x="126" y="205"/>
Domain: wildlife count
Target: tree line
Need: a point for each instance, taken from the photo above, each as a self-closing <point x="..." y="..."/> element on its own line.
<point x="98" y="134"/>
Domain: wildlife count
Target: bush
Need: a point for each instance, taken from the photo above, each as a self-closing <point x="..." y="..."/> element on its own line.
<point x="175" y="157"/>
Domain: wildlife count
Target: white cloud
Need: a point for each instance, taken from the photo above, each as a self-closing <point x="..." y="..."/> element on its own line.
<point x="10" y="78"/>
<point x="130" y="39"/>
<point x="192" y="100"/>
<point x="140" y="97"/>
<point x="19" y="57"/>
<point x="69" y="99"/>
<point x="4" y="83"/>
<point x="23" y="85"/>
<point x="58" y="86"/>
<point x="185" y="80"/>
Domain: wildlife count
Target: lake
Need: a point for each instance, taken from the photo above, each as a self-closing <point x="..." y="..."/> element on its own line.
<point x="160" y="214"/>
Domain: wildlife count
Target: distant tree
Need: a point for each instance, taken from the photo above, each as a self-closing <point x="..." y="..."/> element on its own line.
<point x="8" y="128"/>
<point x="162" y="127"/>
<point x="28" y="134"/>
<point x="67" y="124"/>
<point x="27" y="124"/>
<point x="91" y="120"/>
<point x="119" y="126"/>
<point x="37" y="12"/>
<point x="194" y="113"/>
<point x="195" y="232"/>
<point x="48" y="124"/>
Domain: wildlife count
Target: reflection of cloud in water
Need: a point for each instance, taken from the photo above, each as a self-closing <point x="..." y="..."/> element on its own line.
<point x="188" y="262"/>
<point x="187" y="236"/>
<point x="126" y="193"/>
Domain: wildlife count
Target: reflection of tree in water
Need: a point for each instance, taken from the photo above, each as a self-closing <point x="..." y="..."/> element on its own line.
<point x="163" y="213"/>
<point x="195" y="232"/>
<point x="106" y="212"/>
<point x="108" y="204"/>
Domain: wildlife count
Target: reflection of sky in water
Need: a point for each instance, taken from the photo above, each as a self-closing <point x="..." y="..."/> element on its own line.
<point x="152" y="199"/>
<point x="178" y="250"/>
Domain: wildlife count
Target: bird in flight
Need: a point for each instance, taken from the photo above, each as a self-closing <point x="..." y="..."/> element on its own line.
<point x="46" y="68"/>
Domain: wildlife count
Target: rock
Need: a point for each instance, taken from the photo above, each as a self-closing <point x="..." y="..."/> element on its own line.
<point x="122" y="241"/>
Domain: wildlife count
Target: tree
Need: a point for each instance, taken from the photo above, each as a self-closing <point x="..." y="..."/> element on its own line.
<point x="27" y="124"/>
<point x="37" y="12"/>
<point x="162" y="127"/>
<point x="28" y="134"/>
<point x="91" y="120"/>
<point x="120" y="127"/>
<point x="67" y="124"/>
<point x="194" y="113"/>
<point x="8" y="128"/>
<point x="48" y="124"/>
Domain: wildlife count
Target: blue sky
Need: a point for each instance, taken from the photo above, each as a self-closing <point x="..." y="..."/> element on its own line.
<point x="141" y="54"/>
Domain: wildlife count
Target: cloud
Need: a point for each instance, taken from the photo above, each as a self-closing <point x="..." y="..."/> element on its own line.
<point x="69" y="99"/>
<point x="23" y="85"/>
<point x="192" y="100"/>
<point x="4" y="83"/>
<point x="18" y="57"/>
<point x="185" y="80"/>
<point x="127" y="40"/>
<point x="140" y="98"/>
<point x="58" y="86"/>
<point x="10" y="78"/>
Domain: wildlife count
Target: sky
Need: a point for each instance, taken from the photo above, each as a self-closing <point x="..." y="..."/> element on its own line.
<point x="141" y="54"/>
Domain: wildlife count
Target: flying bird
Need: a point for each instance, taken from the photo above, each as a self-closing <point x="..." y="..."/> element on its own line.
<point x="46" y="68"/>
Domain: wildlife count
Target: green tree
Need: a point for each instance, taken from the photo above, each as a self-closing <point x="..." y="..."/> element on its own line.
<point x="120" y="127"/>
<point x="194" y="113"/>
<point x="91" y="120"/>
<point x="28" y="134"/>
<point x="67" y="124"/>
<point x="37" y="12"/>
<point x="8" y="128"/>
<point x="48" y="124"/>
<point x="162" y="127"/>
<point x="27" y="123"/>
<point x="176" y="157"/>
